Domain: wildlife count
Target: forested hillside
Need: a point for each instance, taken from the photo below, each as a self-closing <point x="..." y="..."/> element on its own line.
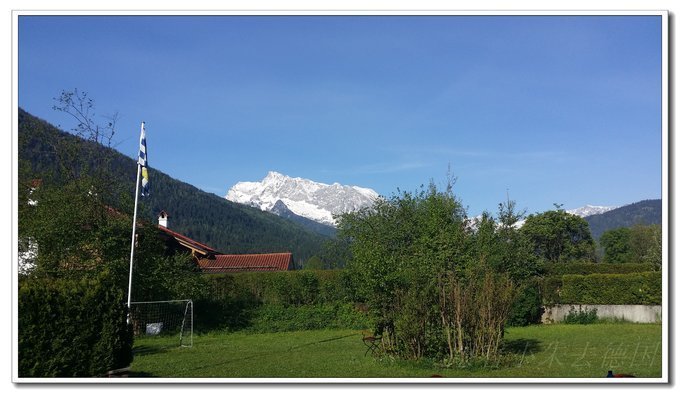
<point x="640" y="213"/>
<point x="208" y="218"/>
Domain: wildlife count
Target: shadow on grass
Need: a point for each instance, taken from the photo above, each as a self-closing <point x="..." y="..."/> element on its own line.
<point x="322" y="341"/>
<point x="522" y="346"/>
<point x="148" y="350"/>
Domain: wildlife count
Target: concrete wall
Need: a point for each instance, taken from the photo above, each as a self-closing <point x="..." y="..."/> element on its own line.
<point x="630" y="312"/>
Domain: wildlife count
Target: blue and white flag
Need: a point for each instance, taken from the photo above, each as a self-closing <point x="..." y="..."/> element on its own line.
<point x="142" y="161"/>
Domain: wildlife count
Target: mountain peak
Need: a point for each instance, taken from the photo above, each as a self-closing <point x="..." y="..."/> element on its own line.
<point x="273" y="175"/>
<point x="304" y="197"/>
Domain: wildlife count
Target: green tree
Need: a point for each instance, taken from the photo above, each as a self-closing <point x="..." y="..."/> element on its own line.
<point x="558" y="236"/>
<point x="508" y="251"/>
<point x="516" y="254"/>
<point x="646" y="244"/>
<point x="616" y="244"/>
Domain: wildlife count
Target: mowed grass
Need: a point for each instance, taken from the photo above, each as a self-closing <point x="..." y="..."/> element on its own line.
<point x="543" y="351"/>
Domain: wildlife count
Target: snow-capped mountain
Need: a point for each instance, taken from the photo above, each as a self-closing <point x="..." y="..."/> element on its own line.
<point x="306" y="198"/>
<point x="589" y="210"/>
<point x="584" y="211"/>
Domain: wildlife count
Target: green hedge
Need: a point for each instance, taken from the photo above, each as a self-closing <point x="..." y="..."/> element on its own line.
<point x="280" y="318"/>
<point x="550" y="290"/>
<point x="560" y="269"/>
<point x="239" y="301"/>
<point x="633" y="288"/>
<point x="298" y="287"/>
<point x="72" y="328"/>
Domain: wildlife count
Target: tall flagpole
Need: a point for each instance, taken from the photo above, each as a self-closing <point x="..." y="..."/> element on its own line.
<point x="134" y="227"/>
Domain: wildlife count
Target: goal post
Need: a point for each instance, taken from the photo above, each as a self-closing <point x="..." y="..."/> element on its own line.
<point x="164" y="317"/>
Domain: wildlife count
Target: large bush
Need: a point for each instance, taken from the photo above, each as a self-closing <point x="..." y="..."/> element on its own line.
<point x="72" y="328"/>
<point x="437" y="284"/>
<point x="527" y="308"/>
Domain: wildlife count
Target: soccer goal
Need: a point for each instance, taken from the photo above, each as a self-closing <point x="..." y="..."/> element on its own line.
<point x="165" y="317"/>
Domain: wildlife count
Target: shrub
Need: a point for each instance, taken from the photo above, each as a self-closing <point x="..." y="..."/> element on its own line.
<point x="474" y="312"/>
<point x="581" y="317"/>
<point x="527" y="307"/>
<point x="72" y="328"/>
<point x="417" y="323"/>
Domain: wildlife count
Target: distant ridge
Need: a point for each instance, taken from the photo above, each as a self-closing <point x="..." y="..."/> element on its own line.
<point x="644" y="212"/>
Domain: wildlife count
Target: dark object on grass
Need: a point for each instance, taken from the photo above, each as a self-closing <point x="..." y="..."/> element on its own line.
<point x="610" y="374"/>
<point x="371" y="342"/>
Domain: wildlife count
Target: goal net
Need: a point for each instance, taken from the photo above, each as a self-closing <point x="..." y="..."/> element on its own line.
<point x="166" y="318"/>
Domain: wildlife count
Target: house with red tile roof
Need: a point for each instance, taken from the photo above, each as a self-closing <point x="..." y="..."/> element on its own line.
<point x="210" y="260"/>
<point x="176" y="241"/>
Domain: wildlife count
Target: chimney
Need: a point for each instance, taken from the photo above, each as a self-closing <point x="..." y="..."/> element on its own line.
<point x="163" y="219"/>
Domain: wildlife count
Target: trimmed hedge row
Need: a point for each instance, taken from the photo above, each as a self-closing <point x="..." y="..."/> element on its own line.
<point x="280" y="318"/>
<point x="278" y="301"/>
<point x="72" y="328"/>
<point x="560" y="269"/>
<point x="634" y="288"/>
<point x="291" y="288"/>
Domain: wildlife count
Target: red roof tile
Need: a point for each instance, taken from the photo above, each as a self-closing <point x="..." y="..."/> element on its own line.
<point x="247" y="262"/>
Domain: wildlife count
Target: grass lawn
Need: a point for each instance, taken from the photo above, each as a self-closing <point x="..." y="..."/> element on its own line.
<point x="543" y="351"/>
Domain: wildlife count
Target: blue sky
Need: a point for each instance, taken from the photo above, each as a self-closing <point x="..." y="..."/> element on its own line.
<point x="555" y="109"/>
